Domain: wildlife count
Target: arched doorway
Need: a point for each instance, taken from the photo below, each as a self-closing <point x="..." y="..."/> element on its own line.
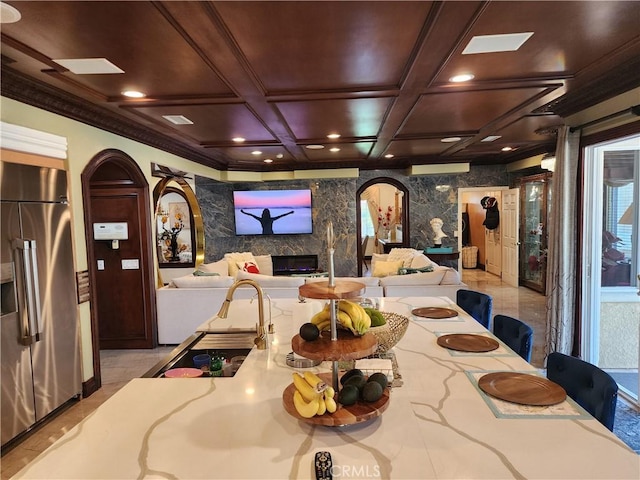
<point x="389" y="213"/>
<point x="116" y="196"/>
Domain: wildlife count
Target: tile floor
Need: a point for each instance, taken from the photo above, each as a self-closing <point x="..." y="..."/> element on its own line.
<point x="119" y="366"/>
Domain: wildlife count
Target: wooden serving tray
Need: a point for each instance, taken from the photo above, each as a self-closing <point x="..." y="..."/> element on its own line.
<point x="357" y="413"/>
<point x="522" y="388"/>
<point x="467" y="342"/>
<point x="322" y="290"/>
<point x="346" y="347"/>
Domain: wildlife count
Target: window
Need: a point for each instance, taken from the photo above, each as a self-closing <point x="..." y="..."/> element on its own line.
<point x="619" y="219"/>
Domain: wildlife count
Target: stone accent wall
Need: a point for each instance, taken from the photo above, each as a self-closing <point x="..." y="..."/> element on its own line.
<point x="335" y="200"/>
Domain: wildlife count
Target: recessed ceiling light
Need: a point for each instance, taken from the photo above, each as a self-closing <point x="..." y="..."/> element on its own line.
<point x="508" y="42"/>
<point x="389" y="155"/>
<point x="8" y="14"/>
<point x="280" y="155"/>
<point x="268" y="160"/>
<point x="88" y="66"/>
<point x="314" y="147"/>
<point x="133" y="94"/>
<point x="333" y="136"/>
<point x="256" y="152"/>
<point x="507" y="149"/>
<point x="238" y="139"/>
<point x="491" y="138"/>
<point x="334" y="149"/>
<point x="178" y="119"/>
<point x="463" y="77"/>
<point x="451" y="140"/>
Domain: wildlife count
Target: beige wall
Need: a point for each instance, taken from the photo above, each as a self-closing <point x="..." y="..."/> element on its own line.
<point x="84" y="142"/>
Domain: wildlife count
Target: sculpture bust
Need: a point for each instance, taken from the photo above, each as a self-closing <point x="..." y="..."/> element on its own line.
<point x="438" y="234"/>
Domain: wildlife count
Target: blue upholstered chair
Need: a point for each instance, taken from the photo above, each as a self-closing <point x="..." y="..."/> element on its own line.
<point x="516" y="334"/>
<point x="476" y="304"/>
<point x="592" y="388"/>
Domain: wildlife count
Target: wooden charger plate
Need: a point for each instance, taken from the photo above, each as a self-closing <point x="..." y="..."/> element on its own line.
<point x="434" y="312"/>
<point x="350" y="415"/>
<point x="522" y="388"/>
<point x="467" y="342"/>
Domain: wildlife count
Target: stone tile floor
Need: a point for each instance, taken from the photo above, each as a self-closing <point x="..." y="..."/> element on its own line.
<point x="120" y="366"/>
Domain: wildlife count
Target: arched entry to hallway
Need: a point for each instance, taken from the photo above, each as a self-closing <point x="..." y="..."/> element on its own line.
<point x="123" y="315"/>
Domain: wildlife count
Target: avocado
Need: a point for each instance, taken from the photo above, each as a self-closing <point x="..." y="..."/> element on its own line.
<point x="377" y="319"/>
<point x="358" y="381"/>
<point x="309" y="332"/>
<point x="349" y="374"/>
<point x="348" y="395"/>
<point x="379" y="377"/>
<point x="372" y="392"/>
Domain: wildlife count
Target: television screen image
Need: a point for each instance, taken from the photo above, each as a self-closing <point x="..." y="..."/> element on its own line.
<point x="272" y="212"/>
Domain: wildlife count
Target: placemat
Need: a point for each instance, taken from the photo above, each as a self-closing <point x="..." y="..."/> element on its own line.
<point x="502" y="409"/>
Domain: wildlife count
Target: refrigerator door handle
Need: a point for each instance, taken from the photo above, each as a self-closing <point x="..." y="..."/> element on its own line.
<point x="31" y="304"/>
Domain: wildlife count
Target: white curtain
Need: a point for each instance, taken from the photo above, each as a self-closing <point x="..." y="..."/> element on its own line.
<point x="562" y="261"/>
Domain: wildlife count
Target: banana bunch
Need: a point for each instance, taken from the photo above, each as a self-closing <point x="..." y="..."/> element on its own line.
<point x="322" y="319"/>
<point x="350" y="316"/>
<point x="353" y="317"/>
<point x="312" y="396"/>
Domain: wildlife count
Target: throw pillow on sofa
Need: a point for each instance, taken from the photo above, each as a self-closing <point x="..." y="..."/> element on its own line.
<point x="221" y="267"/>
<point x="409" y="271"/>
<point x="233" y="258"/>
<point x="383" y="269"/>
<point x="421" y="261"/>
<point x="404" y="254"/>
<point x="248" y="266"/>
<point x="265" y="264"/>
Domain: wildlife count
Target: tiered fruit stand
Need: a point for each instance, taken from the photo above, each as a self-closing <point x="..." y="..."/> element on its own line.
<point x="341" y="345"/>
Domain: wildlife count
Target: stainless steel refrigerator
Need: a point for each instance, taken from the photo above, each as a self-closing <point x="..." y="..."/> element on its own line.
<point x="40" y="352"/>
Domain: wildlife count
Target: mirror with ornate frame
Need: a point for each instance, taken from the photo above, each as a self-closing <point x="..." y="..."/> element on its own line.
<point x="386" y="203"/>
<point x="179" y="227"/>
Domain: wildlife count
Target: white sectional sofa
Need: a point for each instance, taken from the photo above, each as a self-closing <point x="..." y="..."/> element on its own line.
<point x="190" y="300"/>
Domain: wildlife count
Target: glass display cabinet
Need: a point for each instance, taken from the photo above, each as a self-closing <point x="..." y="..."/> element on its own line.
<point x="535" y="201"/>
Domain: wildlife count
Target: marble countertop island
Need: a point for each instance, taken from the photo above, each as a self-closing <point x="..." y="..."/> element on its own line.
<point x="439" y="424"/>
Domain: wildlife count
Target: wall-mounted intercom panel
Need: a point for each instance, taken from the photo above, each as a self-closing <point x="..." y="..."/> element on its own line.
<point x="110" y="231"/>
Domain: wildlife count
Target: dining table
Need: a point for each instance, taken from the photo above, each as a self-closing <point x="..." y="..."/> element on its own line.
<point x="439" y="423"/>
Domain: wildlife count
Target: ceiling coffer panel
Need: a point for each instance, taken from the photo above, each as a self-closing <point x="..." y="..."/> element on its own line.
<point x="212" y="123"/>
<point x="350" y="117"/>
<point x="155" y="57"/>
<point x="463" y="111"/>
<point x="325" y="46"/>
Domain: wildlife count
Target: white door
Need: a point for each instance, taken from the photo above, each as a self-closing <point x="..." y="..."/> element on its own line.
<point x="510" y="221"/>
<point x="611" y="262"/>
<point x="493" y="243"/>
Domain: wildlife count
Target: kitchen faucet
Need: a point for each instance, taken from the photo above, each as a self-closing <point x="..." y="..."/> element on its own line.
<point x="261" y="334"/>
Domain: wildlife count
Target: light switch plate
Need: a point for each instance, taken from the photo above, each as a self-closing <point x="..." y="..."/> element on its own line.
<point x="130" y="264"/>
<point x="100" y="264"/>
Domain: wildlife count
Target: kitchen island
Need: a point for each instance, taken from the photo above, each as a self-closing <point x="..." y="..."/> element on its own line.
<point x="439" y="424"/>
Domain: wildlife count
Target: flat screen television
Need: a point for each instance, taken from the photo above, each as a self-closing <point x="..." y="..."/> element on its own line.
<point x="272" y="212"/>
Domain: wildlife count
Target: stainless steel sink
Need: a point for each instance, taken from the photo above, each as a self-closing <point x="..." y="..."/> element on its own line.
<point x="227" y="345"/>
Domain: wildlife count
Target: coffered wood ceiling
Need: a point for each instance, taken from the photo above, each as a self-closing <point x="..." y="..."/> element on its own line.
<point x="284" y="75"/>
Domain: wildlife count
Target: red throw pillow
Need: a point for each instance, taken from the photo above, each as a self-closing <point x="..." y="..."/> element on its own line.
<point x="250" y="267"/>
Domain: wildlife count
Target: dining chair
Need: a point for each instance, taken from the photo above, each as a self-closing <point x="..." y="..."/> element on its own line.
<point x="516" y="334"/>
<point x="476" y="304"/>
<point x="591" y="387"/>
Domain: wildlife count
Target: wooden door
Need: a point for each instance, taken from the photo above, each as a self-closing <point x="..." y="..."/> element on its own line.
<point x="120" y="289"/>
